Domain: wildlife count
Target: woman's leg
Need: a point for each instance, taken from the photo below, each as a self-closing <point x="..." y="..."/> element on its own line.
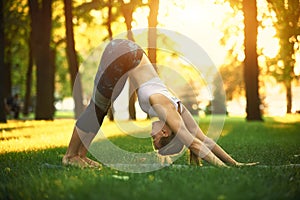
<point x="118" y="58"/>
<point x="83" y="149"/>
<point x="84" y="132"/>
<point x="72" y="157"/>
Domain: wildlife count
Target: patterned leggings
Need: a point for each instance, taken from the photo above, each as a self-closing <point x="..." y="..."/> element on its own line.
<point x="119" y="57"/>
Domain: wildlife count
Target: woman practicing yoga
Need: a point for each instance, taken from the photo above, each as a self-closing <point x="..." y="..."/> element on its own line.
<point x="175" y="127"/>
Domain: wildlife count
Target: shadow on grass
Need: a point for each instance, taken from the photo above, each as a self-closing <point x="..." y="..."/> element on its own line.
<point x="14" y="128"/>
<point x="14" y="137"/>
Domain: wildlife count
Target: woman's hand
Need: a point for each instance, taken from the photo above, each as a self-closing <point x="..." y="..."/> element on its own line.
<point x="239" y="164"/>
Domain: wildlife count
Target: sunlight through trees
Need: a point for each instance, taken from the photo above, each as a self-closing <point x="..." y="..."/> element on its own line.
<point x="217" y="26"/>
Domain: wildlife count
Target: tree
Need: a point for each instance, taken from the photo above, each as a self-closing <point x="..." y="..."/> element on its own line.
<point x="218" y="103"/>
<point x="2" y="106"/>
<point x="233" y="81"/>
<point x="110" y="36"/>
<point x="127" y="11"/>
<point x="27" y="98"/>
<point x="287" y="25"/>
<point x="250" y="63"/>
<point x="109" y="19"/>
<point x="152" y="34"/>
<point x="16" y="31"/>
<point x="72" y="60"/>
<point x="251" y="71"/>
<point x="40" y="15"/>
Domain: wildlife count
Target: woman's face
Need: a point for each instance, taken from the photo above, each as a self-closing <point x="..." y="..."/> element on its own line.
<point x="163" y="136"/>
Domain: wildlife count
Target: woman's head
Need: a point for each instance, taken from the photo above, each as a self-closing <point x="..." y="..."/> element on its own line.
<point x="164" y="139"/>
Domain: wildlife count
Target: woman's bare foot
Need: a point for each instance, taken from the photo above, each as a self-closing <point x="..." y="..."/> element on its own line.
<point x="91" y="162"/>
<point x="75" y="161"/>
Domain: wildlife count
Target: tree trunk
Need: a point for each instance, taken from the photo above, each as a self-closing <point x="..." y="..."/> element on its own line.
<point x="41" y="22"/>
<point x="251" y="71"/>
<point x="7" y="90"/>
<point x="72" y="60"/>
<point x="288" y="87"/>
<point x="287" y="53"/>
<point x="27" y="100"/>
<point x="152" y="34"/>
<point x="132" y="100"/>
<point x="127" y="10"/>
<point x="110" y="113"/>
<point x="109" y="20"/>
<point x="53" y="69"/>
<point x="287" y="75"/>
<point x="7" y="82"/>
<point x="2" y="66"/>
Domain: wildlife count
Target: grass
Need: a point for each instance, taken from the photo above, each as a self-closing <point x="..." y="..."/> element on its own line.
<point x="31" y="151"/>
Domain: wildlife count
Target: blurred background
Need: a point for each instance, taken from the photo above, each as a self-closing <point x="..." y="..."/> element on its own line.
<point x="254" y="45"/>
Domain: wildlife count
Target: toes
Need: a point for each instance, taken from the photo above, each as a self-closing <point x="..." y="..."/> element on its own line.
<point x="75" y="161"/>
<point x="92" y="163"/>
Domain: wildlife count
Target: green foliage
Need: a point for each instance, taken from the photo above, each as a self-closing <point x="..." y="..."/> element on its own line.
<point x="288" y="31"/>
<point x="16" y="41"/>
<point x="218" y="103"/>
<point x="39" y="175"/>
<point x="232" y="70"/>
<point x="233" y="80"/>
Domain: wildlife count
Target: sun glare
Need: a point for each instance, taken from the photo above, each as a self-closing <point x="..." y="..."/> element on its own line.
<point x="297" y="64"/>
<point x="268" y="42"/>
<point x="203" y="22"/>
<point x="195" y="19"/>
<point x="200" y="20"/>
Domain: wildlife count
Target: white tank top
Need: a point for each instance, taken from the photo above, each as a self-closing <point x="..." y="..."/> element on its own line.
<point x="154" y="86"/>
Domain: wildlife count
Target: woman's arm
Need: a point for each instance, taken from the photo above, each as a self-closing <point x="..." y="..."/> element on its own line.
<point x="167" y="112"/>
<point x="194" y="128"/>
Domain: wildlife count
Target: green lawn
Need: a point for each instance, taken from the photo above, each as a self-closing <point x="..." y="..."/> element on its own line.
<point x="31" y="151"/>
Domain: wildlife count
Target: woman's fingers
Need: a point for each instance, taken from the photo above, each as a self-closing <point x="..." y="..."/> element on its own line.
<point x="246" y="164"/>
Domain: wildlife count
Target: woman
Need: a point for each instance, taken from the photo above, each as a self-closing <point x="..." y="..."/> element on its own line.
<point x="175" y="128"/>
<point x="118" y="58"/>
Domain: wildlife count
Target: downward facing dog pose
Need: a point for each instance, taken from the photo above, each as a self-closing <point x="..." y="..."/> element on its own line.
<point x="175" y="128"/>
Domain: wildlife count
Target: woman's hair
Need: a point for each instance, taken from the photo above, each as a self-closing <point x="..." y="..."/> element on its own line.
<point x="171" y="145"/>
<point x="166" y="140"/>
<point x="165" y="145"/>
